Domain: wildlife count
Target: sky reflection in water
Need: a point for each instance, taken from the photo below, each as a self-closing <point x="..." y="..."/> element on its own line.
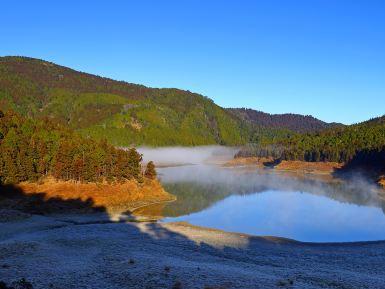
<point x="260" y="203"/>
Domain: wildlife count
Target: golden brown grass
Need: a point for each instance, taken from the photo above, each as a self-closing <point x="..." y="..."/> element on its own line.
<point x="248" y="161"/>
<point x="117" y="197"/>
<point x="295" y="166"/>
<point x="309" y="167"/>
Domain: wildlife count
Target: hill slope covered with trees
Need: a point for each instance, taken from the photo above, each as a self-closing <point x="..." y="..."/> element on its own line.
<point x="33" y="149"/>
<point x="294" y="122"/>
<point x="131" y="114"/>
<point x="122" y="112"/>
<point x="358" y="146"/>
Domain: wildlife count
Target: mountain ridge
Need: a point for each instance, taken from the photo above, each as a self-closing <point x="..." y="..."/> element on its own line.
<point x="124" y="113"/>
<point x="296" y="122"/>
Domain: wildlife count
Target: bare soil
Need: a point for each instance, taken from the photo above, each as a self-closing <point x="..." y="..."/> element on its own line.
<point x="309" y="167"/>
<point x="293" y="166"/>
<point x="248" y="161"/>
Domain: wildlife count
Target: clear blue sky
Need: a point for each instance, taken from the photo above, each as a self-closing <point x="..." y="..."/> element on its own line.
<point x="325" y="58"/>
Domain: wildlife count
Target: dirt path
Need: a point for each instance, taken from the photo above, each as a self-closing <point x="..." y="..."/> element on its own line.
<point x="87" y="252"/>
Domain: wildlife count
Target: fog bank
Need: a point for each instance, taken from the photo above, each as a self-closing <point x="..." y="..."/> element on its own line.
<point x="187" y="155"/>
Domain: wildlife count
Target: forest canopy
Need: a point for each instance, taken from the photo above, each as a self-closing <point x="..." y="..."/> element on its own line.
<point x="31" y="149"/>
<point x="360" y="144"/>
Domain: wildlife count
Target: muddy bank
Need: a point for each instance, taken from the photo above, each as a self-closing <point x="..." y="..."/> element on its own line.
<point x="63" y="253"/>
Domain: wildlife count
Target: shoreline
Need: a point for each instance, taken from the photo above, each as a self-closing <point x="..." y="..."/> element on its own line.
<point x="276" y="239"/>
<point x="317" y="168"/>
<point x="298" y="167"/>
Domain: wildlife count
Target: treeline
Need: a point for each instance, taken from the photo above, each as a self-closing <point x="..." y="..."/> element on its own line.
<point x="360" y="144"/>
<point x="31" y="149"/>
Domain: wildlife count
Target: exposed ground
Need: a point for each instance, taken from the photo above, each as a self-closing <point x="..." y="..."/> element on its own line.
<point x="309" y="167"/>
<point x="112" y="198"/>
<point x="92" y="252"/>
<point x="247" y="161"/>
<point x="292" y="166"/>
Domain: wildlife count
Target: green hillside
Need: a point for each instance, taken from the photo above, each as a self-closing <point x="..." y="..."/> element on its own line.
<point x="32" y="149"/>
<point x="358" y="146"/>
<point x="124" y="113"/>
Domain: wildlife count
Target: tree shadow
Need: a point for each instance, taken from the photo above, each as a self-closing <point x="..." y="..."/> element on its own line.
<point x="13" y="197"/>
<point x="273" y="163"/>
<point x="367" y="163"/>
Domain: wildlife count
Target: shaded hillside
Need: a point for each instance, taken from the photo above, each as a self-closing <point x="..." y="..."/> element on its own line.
<point x="294" y="122"/>
<point x="122" y="112"/>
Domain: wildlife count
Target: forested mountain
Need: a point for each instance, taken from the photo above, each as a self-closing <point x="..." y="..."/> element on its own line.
<point x="122" y="112"/>
<point x="31" y="149"/>
<point x="360" y="145"/>
<point x="294" y="122"/>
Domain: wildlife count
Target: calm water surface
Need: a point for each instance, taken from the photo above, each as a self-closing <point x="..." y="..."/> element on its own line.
<point x="266" y="203"/>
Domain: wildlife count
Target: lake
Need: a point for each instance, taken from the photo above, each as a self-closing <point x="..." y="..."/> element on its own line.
<point x="264" y="202"/>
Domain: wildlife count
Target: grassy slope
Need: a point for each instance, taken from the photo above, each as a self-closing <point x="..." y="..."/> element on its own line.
<point x="113" y="198"/>
<point x="122" y="112"/>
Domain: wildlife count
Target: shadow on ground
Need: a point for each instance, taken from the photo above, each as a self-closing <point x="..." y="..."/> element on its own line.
<point x="12" y="197"/>
<point x="368" y="163"/>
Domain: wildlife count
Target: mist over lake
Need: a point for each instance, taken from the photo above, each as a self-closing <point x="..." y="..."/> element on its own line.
<point x="264" y="202"/>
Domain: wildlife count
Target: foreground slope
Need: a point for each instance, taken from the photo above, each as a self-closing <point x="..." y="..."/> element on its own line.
<point x="124" y="113"/>
<point x="83" y="252"/>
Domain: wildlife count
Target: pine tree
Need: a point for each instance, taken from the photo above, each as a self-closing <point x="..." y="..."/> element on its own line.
<point x="30" y="149"/>
<point x="134" y="160"/>
<point x="150" y="171"/>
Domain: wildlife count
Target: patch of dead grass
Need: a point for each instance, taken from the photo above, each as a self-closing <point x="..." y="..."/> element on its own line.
<point x="114" y="197"/>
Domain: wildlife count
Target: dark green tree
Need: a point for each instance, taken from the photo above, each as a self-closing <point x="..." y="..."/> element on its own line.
<point x="150" y="171"/>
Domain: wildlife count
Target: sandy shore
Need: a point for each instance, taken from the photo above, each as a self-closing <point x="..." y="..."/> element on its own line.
<point x="90" y="251"/>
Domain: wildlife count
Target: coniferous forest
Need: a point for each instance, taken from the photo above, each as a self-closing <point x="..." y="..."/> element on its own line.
<point x="356" y="145"/>
<point x="31" y="149"/>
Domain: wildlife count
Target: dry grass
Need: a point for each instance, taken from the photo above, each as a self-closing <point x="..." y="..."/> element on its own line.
<point x="295" y="166"/>
<point x="248" y="161"/>
<point x="114" y="197"/>
<point x="309" y="167"/>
